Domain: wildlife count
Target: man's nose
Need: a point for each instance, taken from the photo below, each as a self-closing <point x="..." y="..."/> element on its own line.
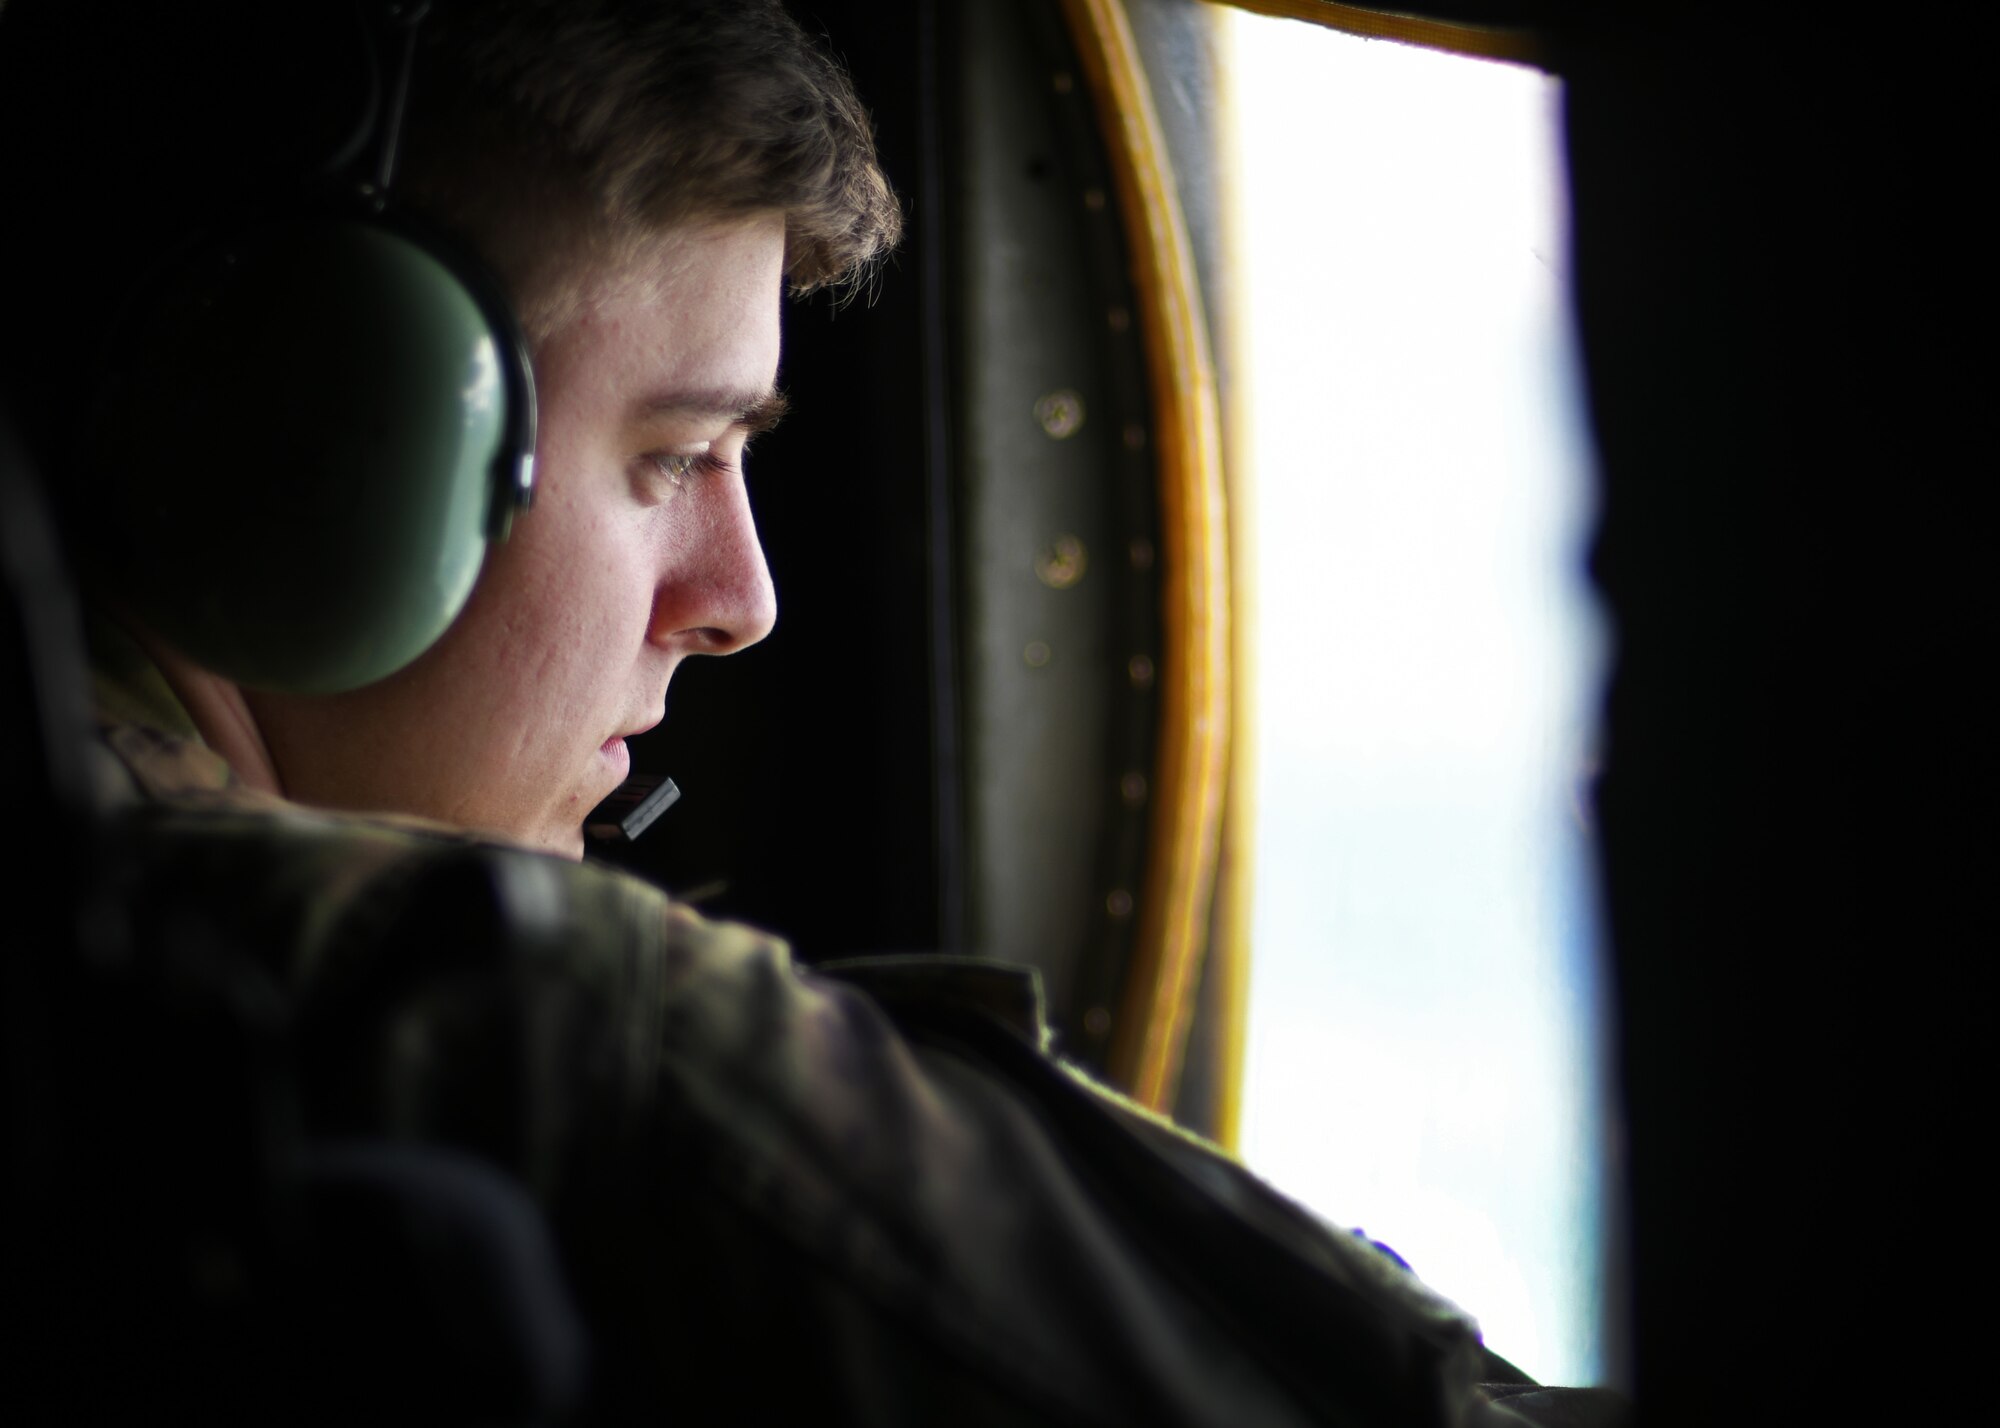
<point x="714" y="594"/>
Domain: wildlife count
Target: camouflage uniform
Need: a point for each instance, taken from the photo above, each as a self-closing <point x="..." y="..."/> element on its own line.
<point x="863" y="1193"/>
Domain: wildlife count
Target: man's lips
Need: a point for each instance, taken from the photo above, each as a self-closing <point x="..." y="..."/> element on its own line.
<point x="614" y="748"/>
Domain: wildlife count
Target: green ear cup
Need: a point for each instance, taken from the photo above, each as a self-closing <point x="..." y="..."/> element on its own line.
<point x="304" y="443"/>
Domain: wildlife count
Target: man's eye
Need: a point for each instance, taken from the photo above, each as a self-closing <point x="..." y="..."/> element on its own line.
<point x="660" y="475"/>
<point x="677" y="466"/>
<point x="672" y="469"/>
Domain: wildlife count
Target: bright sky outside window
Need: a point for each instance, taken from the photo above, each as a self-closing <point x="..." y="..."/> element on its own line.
<point x="1422" y="1056"/>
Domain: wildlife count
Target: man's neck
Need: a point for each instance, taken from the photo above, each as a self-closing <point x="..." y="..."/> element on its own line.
<point x="220" y="713"/>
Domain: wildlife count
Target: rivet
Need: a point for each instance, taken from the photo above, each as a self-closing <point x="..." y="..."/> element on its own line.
<point x="1061" y="565"/>
<point x="1135" y="436"/>
<point x="1141" y="670"/>
<point x="1062" y="81"/>
<point x="1132" y="788"/>
<point x="1096" y="1021"/>
<point x="1036" y="654"/>
<point x="1093" y="199"/>
<point x="1141" y="551"/>
<point x="1118" y="903"/>
<point x="1119" y="319"/>
<point x="1060" y="413"/>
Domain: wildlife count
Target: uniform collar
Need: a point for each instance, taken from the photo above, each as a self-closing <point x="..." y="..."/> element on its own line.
<point x="142" y="721"/>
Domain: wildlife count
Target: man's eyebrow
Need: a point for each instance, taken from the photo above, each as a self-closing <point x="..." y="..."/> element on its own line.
<point x="755" y="412"/>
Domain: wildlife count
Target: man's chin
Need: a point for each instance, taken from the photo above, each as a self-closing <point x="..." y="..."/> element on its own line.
<point x="555" y="842"/>
<point x="559" y="843"/>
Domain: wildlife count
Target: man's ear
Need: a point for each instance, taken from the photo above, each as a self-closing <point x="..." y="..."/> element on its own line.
<point x="311" y="430"/>
<point x="311" y="416"/>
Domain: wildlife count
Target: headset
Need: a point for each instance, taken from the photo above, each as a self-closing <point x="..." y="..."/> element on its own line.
<point x="314" y="423"/>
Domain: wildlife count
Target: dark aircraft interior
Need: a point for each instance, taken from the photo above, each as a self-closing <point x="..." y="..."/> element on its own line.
<point x="1775" y="310"/>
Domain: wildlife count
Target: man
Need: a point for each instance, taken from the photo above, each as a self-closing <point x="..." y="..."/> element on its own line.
<point x="644" y="235"/>
<point x="868" y="1196"/>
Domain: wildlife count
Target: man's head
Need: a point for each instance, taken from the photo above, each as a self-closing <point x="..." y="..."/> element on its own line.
<point x="640" y="551"/>
<point x="645" y="179"/>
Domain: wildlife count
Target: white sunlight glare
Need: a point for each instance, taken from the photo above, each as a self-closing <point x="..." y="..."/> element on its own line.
<point x="1422" y="1061"/>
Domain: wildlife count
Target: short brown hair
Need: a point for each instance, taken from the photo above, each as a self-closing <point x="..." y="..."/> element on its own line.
<point x="550" y="133"/>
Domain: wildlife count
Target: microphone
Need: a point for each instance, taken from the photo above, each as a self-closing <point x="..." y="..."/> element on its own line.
<point x="631" y="808"/>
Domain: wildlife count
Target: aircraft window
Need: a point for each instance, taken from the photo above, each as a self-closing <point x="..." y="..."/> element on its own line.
<point x="1421" y="1042"/>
